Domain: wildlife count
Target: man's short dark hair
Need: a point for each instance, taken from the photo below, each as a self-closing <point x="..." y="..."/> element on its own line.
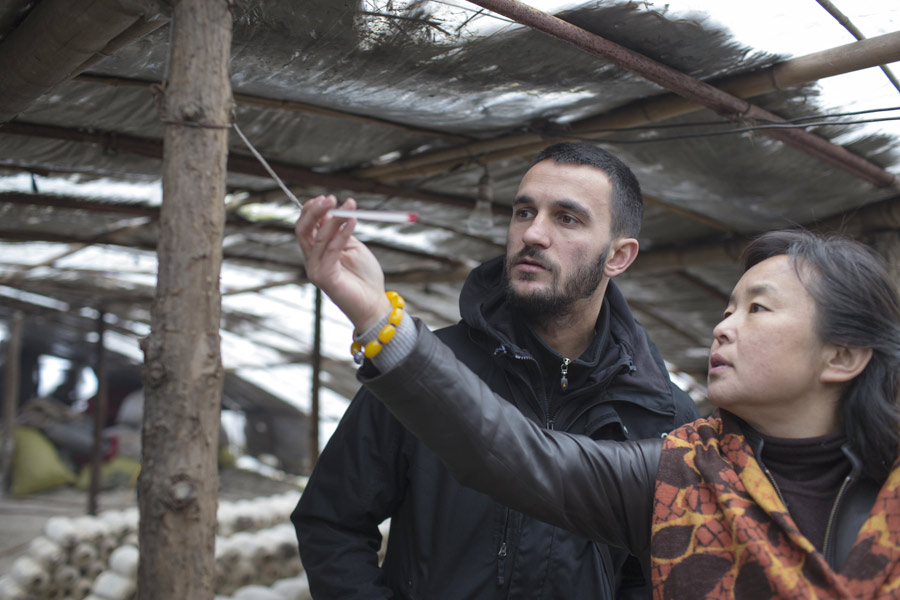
<point x="627" y="206"/>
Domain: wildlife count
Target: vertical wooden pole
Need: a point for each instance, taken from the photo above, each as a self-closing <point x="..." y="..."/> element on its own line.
<point x="100" y="407"/>
<point x="182" y="360"/>
<point x="11" y="394"/>
<point x="316" y="371"/>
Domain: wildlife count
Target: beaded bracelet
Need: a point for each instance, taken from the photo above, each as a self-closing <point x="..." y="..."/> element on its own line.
<point x="385" y="335"/>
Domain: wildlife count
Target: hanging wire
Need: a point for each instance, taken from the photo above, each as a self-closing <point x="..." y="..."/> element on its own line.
<point x="795" y="123"/>
<point x="266" y="166"/>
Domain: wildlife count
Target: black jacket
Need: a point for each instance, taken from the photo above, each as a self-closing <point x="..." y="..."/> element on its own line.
<point x="447" y="541"/>
<point x="605" y="490"/>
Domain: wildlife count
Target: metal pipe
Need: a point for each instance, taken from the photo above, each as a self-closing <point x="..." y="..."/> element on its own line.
<point x="794" y="72"/>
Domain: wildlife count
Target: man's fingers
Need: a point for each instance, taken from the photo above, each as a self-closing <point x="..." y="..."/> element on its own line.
<point x="339" y="230"/>
<point x="307" y="225"/>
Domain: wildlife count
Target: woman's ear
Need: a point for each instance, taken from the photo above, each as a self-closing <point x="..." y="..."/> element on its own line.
<point x="844" y="363"/>
<point x="622" y="253"/>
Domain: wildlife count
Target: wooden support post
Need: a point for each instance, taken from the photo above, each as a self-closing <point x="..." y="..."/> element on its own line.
<point x="100" y="407"/>
<point x="11" y="394"/>
<point x="316" y="371"/>
<point x="182" y="360"/>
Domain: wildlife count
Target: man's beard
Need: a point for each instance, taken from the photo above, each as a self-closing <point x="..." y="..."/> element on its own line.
<point x="558" y="299"/>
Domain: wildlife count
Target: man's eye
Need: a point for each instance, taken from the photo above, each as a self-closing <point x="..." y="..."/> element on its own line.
<point x="567" y="219"/>
<point x="754" y="307"/>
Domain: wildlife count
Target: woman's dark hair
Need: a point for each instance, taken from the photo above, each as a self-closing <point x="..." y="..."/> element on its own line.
<point x="856" y="305"/>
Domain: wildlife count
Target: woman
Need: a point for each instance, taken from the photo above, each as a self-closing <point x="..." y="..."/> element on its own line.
<point x="789" y="490"/>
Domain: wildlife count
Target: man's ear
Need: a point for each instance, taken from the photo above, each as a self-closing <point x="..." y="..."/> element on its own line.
<point x="844" y="363"/>
<point x="622" y="252"/>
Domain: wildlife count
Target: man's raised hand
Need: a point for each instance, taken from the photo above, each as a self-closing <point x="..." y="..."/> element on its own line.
<point x="339" y="264"/>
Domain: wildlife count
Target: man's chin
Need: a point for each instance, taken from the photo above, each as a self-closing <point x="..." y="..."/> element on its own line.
<point x="525" y="289"/>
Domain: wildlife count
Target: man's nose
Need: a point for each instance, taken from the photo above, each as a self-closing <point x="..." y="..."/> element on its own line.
<point x="537" y="233"/>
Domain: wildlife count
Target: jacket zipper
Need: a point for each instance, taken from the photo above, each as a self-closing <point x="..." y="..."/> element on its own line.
<point x="564" y="370"/>
<point x="775" y="485"/>
<point x="625" y="368"/>
<point x="833" y="514"/>
<point x="543" y="403"/>
<point x="501" y="554"/>
<point x="837" y="501"/>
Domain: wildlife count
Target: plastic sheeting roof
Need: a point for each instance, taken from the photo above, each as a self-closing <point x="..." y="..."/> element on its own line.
<point x="348" y="89"/>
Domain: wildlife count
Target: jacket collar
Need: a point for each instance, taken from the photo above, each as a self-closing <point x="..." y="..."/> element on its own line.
<point x="483" y="306"/>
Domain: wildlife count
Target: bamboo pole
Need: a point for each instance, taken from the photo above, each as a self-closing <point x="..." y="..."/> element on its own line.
<point x="845" y="21"/>
<point x="183" y="372"/>
<point x="791" y="73"/>
<point x="11" y="394"/>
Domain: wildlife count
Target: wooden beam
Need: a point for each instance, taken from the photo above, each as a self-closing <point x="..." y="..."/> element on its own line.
<point x="237" y="163"/>
<point x="12" y="368"/>
<point x="667" y="323"/>
<point x="58" y="38"/>
<point x="100" y="407"/>
<point x="316" y="364"/>
<point x="710" y="290"/>
<point x="450" y="273"/>
<point x="880" y="216"/>
<point x="236" y="224"/>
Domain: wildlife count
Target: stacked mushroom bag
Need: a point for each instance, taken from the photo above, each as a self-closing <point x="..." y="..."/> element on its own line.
<point x="64" y="562"/>
<point x="96" y="558"/>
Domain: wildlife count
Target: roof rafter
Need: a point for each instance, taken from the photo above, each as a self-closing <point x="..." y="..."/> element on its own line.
<point x="286" y="105"/>
<point x="879" y="216"/>
<point x="237" y="163"/>
<point x="235" y="223"/>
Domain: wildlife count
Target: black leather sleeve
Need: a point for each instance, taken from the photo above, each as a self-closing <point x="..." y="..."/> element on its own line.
<point x="599" y="489"/>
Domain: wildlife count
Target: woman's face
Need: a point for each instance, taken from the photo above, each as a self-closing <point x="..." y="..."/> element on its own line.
<point x="766" y="359"/>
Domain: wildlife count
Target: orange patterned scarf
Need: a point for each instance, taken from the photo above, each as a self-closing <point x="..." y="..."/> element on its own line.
<point x="721" y="531"/>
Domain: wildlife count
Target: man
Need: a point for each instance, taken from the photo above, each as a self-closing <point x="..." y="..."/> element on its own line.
<point x="548" y="331"/>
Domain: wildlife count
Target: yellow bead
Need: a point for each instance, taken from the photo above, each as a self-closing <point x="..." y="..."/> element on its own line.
<point x="396" y="316"/>
<point x="399" y="302"/>
<point x="386" y="334"/>
<point x="355" y="347"/>
<point x="392" y="296"/>
<point x="372" y="348"/>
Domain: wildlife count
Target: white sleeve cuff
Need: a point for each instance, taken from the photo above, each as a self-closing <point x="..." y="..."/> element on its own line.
<point x="397" y="349"/>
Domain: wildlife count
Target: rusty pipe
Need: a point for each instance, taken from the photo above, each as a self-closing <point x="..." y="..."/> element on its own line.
<point x="723" y="103"/>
